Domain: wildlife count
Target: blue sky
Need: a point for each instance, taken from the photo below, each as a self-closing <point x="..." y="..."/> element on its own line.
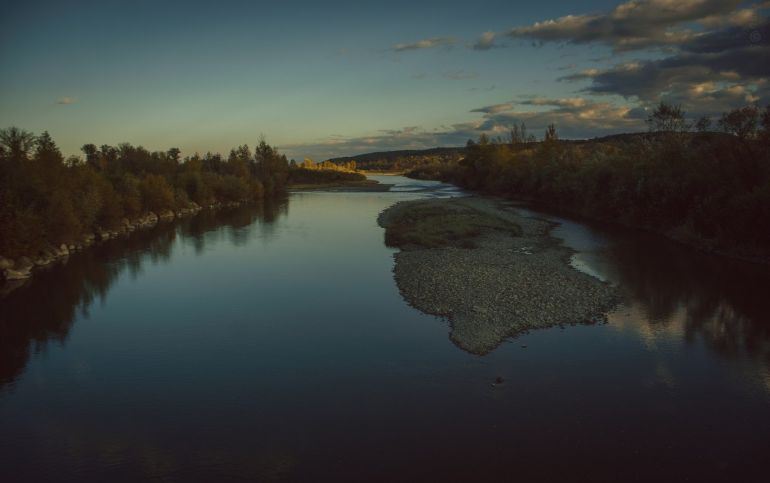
<point x="322" y="79"/>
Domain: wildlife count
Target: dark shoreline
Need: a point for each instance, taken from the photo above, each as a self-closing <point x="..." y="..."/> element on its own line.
<point x="16" y="273"/>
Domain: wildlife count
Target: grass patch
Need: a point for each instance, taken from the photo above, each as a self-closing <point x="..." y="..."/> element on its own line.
<point x="431" y="225"/>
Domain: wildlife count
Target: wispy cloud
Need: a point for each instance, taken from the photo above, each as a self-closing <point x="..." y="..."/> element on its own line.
<point x="63" y="101"/>
<point x="636" y="24"/>
<point x="494" y="108"/>
<point x="574" y="117"/>
<point x="734" y="60"/>
<point x="424" y="44"/>
<point x="486" y="42"/>
<point x="483" y="89"/>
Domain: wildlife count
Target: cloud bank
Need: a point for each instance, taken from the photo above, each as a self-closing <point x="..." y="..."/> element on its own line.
<point x="424" y="44"/>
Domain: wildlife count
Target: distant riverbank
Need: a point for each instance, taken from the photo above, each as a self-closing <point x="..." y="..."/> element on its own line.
<point x="493" y="273"/>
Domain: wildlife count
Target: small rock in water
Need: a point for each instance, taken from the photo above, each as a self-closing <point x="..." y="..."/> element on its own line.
<point x="523" y="346"/>
<point x="499" y="380"/>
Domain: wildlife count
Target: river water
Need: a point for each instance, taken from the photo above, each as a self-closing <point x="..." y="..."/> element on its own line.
<point x="272" y="344"/>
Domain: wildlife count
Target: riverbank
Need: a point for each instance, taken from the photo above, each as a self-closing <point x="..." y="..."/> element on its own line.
<point x="493" y="273"/>
<point x="342" y="186"/>
<point x="15" y="272"/>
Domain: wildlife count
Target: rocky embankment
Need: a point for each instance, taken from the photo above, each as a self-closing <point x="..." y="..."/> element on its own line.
<point x="493" y="273"/>
<point x="16" y="271"/>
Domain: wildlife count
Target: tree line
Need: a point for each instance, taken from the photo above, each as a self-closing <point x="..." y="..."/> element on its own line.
<point x="46" y="199"/>
<point x="708" y="188"/>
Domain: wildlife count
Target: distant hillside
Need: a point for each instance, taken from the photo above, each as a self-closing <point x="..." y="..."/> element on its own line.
<point x="410" y="159"/>
<point x="402" y="160"/>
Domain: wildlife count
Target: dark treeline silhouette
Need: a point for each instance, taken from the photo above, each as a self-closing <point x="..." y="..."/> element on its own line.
<point x="27" y="325"/>
<point x="709" y="189"/>
<point x="719" y="301"/>
<point x="47" y="200"/>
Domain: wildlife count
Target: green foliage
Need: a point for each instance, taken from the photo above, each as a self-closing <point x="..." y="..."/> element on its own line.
<point x="156" y="193"/>
<point x="432" y="226"/>
<point x="45" y="200"/>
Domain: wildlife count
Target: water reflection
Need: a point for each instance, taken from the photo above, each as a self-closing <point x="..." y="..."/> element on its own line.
<point x="43" y="311"/>
<point x="292" y="356"/>
<point x="677" y="294"/>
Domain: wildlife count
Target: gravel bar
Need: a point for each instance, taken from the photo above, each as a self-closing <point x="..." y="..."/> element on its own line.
<point x="504" y="283"/>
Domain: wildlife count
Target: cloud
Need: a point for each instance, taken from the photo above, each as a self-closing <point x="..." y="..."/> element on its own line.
<point x="745" y="17"/>
<point x="494" y="108"/>
<point x="486" y="42"/>
<point x="654" y="79"/>
<point x="424" y="44"/>
<point x="635" y="24"/>
<point x="722" y="63"/>
<point x="483" y="89"/>
<point x="711" y="73"/>
<point x="66" y="101"/>
<point x="758" y="33"/>
<point x="572" y="102"/>
<point x="574" y="118"/>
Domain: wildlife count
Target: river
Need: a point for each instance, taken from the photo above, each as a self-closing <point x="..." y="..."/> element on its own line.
<point x="272" y="344"/>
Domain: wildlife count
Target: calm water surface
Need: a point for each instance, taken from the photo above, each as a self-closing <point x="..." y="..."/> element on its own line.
<point x="271" y="344"/>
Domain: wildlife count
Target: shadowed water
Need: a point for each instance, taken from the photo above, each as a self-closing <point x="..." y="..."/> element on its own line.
<point x="271" y="344"/>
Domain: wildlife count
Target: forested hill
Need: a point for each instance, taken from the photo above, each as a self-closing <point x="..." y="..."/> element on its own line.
<point x="402" y="160"/>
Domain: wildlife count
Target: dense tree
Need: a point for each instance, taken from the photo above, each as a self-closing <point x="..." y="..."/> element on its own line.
<point x="711" y="190"/>
<point x="703" y="124"/>
<point x="741" y="122"/>
<point x="551" y="135"/>
<point x="173" y="154"/>
<point x="15" y="143"/>
<point x="46" y="200"/>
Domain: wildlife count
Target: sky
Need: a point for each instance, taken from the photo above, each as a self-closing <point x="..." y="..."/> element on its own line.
<point x="338" y="78"/>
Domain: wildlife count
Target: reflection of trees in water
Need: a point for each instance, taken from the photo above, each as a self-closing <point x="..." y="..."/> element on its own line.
<point x="725" y="302"/>
<point x="44" y="310"/>
<point x="239" y="223"/>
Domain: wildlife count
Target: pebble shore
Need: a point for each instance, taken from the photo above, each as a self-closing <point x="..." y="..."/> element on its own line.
<point x="509" y="283"/>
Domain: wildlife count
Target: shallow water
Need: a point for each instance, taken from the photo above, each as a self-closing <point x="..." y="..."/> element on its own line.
<point x="272" y="344"/>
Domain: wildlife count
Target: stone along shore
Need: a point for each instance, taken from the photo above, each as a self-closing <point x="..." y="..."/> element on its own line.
<point x="16" y="271"/>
